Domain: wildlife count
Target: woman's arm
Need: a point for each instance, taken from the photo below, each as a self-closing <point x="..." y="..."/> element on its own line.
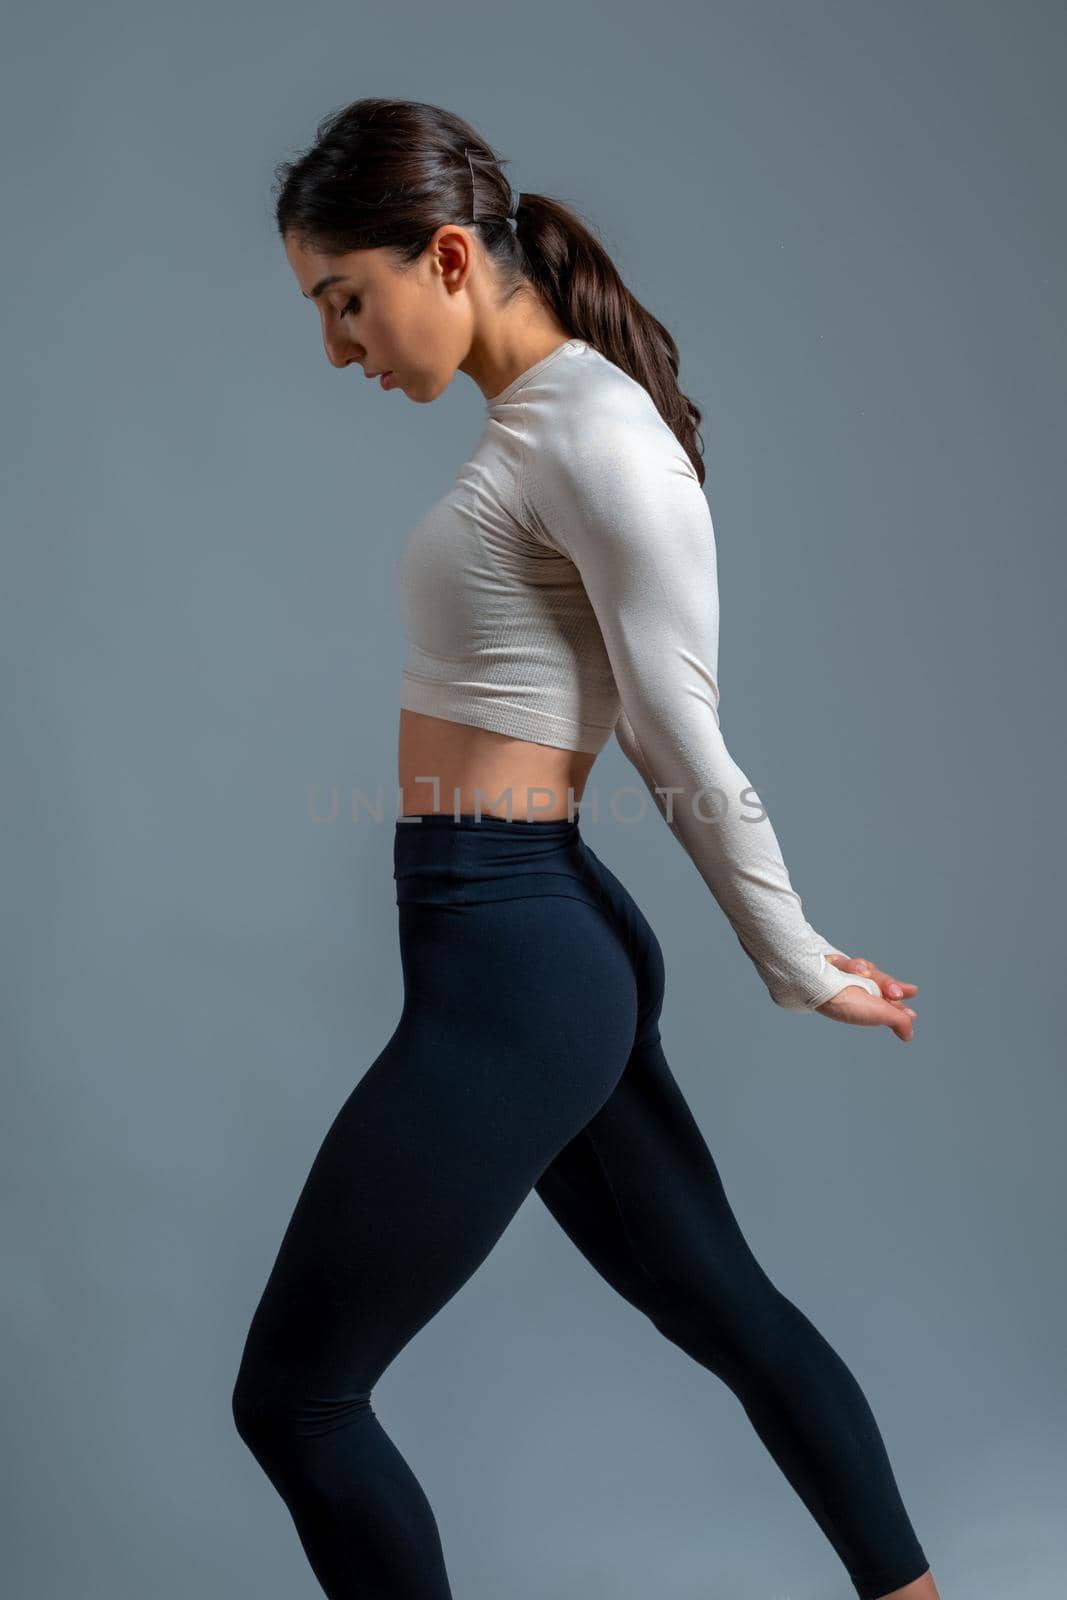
<point x="620" y="498"/>
<point x="627" y="740"/>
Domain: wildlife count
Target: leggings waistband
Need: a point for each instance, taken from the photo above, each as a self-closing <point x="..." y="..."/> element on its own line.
<point x="488" y="822"/>
<point x="442" y="859"/>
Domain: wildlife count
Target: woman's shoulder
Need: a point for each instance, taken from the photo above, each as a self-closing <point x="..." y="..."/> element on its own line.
<point x="595" y="419"/>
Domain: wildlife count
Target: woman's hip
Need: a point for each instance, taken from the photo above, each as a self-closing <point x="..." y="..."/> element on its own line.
<point x="520" y="912"/>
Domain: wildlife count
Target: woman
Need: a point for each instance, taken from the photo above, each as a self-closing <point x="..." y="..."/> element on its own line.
<point x="564" y="588"/>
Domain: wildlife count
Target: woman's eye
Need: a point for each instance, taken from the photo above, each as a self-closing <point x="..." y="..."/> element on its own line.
<point x="350" y="305"/>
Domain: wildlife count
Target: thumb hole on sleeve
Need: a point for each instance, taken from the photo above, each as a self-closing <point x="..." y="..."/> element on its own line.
<point x="866" y="983"/>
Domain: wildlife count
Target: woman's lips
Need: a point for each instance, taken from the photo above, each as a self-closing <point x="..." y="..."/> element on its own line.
<point x="388" y="380"/>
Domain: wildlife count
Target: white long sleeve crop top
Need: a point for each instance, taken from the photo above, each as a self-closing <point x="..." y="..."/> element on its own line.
<point x="565" y="588"/>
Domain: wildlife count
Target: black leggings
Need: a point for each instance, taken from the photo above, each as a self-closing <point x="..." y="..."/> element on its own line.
<point x="527" y="1056"/>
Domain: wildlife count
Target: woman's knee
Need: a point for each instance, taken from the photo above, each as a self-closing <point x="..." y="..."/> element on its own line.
<point x="278" y="1414"/>
<point x="273" y="1395"/>
<point x="730" y="1317"/>
<point x="262" y="1404"/>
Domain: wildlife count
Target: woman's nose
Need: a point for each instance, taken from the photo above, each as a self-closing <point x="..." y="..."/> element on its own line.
<point x="338" y="352"/>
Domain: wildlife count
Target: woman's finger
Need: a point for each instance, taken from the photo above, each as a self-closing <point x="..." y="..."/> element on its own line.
<point x="892" y="988"/>
<point x="904" y="1027"/>
<point x="858" y="1006"/>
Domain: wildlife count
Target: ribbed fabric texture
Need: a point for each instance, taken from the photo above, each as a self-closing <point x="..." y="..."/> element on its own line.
<point x="565" y="588"/>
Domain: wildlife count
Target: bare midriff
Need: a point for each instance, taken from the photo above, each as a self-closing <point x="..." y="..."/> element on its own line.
<point x="449" y="767"/>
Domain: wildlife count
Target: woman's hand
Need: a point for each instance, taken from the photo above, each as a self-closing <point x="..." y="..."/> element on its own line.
<point x="854" y="1004"/>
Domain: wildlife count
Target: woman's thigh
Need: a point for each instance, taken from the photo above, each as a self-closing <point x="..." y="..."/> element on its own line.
<point x="519" y="1018"/>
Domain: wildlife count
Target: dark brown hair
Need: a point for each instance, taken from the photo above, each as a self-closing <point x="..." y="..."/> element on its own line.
<point x="390" y="172"/>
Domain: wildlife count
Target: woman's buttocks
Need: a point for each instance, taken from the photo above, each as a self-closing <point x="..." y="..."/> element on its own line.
<point x="488" y="902"/>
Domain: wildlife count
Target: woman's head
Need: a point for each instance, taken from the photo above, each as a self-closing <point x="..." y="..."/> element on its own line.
<point x="408" y="210"/>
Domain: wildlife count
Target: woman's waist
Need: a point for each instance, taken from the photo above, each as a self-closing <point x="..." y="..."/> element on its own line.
<point x="459" y="769"/>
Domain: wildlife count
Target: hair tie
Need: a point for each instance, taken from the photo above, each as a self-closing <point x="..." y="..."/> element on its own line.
<point x="511" y="219"/>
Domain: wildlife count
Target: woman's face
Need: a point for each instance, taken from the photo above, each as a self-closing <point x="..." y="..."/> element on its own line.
<point x="413" y="322"/>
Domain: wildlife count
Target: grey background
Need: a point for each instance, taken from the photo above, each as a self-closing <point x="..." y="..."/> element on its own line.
<point x="850" y="216"/>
